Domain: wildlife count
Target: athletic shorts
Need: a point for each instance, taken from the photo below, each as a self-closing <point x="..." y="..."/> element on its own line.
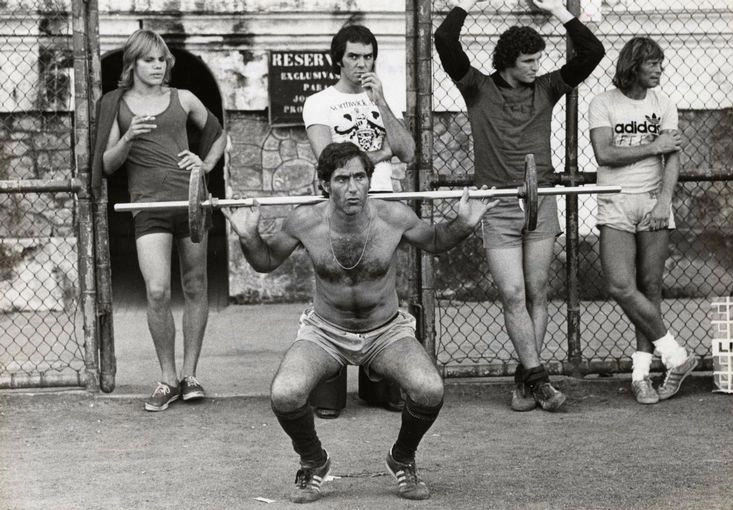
<point x="169" y="222"/>
<point x="503" y="225"/>
<point x="354" y="348"/>
<point x="628" y="212"/>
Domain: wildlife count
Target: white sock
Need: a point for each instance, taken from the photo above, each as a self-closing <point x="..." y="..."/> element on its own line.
<point x="641" y="362"/>
<point x="672" y="353"/>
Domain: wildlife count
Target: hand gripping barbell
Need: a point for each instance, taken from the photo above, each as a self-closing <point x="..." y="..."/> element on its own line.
<point x="200" y="202"/>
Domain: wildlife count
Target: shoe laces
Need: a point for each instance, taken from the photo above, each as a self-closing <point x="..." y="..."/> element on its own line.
<point x="305" y="478"/>
<point x="192" y="381"/>
<point x="409" y="471"/>
<point x="161" y="389"/>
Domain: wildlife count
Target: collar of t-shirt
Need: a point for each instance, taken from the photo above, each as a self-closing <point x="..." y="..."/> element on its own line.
<point x="501" y="82"/>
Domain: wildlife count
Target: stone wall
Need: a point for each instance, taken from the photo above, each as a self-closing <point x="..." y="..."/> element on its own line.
<point x="38" y="255"/>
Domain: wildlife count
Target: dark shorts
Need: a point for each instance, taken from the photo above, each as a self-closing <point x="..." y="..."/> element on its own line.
<point x="503" y="225"/>
<point x="167" y="222"/>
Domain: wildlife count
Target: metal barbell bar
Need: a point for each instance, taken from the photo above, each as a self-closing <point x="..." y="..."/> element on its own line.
<point x="200" y="203"/>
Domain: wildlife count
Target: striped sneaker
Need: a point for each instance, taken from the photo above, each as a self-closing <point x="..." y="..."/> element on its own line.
<point x="308" y="482"/>
<point x="410" y="485"/>
<point x="675" y="376"/>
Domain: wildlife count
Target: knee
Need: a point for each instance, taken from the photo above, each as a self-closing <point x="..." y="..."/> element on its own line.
<point x="651" y="287"/>
<point x="428" y="391"/>
<point x="287" y="395"/>
<point x="537" y="295"/>
<point x="621" y="291"/>
<point x="194" y="285"/>
<point x="159" y="295"/>
<point x="514" y="298"/>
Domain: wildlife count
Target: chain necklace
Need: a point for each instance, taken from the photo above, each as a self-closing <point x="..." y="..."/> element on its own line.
<point x="363" y="250"/>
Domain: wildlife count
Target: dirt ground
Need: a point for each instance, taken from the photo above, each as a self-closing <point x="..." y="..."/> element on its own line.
<point x="73" y="450"/>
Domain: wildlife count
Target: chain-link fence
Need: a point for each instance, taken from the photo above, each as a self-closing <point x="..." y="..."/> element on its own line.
<point x="42" y="340"/>
<point x="697" y="39"/>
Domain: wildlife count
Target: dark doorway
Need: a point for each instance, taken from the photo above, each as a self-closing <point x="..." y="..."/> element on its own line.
<point x="191" y="73"/>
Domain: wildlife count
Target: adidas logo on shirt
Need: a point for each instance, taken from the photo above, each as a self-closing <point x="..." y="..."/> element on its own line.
<point x="650" y="126"/>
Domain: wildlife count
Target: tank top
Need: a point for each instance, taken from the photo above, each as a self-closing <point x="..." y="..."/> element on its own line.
<point x="152" y="163"/>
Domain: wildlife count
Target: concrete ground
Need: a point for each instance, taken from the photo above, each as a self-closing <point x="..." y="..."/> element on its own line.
<point x="73" y="450"/>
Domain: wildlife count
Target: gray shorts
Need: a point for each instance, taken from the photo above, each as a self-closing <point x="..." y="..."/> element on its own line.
<point x="628" y="212"/>
<point x="350" y="347"/>
<point x="503" y="225"/>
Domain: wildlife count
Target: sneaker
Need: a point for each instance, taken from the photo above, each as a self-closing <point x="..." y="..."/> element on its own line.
<point x="191" y="388"/>
<point x="522" y="400"/>
<point x="546" y="396"/>
<point x="675" y="376"/>
<point x="163" y="394"/>
<point x="410" y="485"/>
<point x="308" y="482"/>
<point x="644" y="391"/>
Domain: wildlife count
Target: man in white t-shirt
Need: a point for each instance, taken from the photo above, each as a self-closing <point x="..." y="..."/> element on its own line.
<point x="633" y="129"/>
<point x="355" y="110"/>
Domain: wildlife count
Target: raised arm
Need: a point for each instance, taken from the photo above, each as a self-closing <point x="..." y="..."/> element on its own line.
<point x="118" y="146"/>
<point x="447" y="43"/>
<point x="264" y="255"/>
<point x="398" y="137"/>
<point x="588" y="49"/>
<point x="435" y="238"/>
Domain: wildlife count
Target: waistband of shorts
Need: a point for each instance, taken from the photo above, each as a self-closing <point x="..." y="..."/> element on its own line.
<point x="360" y="332"/>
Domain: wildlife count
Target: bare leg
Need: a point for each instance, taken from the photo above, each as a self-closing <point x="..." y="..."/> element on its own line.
<point x="194" y="283"/>
<point x="618" y="258"/>
<point x="537" y="260"/>
<point x="506" y="266"/>
<point x="154" y="258"/>
<point x="651" y="252"/>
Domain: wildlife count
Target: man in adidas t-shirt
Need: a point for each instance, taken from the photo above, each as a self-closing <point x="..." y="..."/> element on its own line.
<point x="355" y="110"/>
<point x="633" y="129"/>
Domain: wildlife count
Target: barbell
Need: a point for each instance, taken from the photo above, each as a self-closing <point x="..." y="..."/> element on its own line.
<point x="200" y="203"/>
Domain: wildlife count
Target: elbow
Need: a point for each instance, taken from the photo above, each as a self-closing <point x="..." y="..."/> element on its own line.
<point x="408" y="154"/>
<point x="603" y="160"/>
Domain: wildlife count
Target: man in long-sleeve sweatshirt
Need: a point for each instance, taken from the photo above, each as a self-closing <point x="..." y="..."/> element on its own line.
<point x="510" y="112"/>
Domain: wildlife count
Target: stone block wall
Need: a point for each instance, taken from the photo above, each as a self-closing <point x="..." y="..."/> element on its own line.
<point x="38" y="255"/>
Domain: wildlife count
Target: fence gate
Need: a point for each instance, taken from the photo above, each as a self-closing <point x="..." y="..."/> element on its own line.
<point x="48" y="313"/>
<point x="587" y="331"/>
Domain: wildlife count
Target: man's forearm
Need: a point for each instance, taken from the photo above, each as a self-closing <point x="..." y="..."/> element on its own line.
<point x="589" y="52"/>
<point x="215" y="152"/>
<point x="257" y="252"/>
<point x="398" y="137"/>
<point x="670" y="177"/>
<point x="449" y="234"/>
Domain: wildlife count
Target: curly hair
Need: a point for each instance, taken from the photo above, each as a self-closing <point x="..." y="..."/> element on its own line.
<point x="514" y="42"/>
<point x="350" y="34"/>
<point x="137" y="46"/>
<point x="634" y="53"/>
<point x="336" y="155"/>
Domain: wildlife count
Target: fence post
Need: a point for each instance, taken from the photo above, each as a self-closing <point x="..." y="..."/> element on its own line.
<point x="85" y="248"/>
<point x="571" y="219"/>
<point x="107" y="361"/>
<point x="424" y="157"/>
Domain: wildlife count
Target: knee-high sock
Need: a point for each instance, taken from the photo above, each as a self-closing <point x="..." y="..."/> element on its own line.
<point x="536" y="375"/>
<point x="298" y="424"/>
<point x="416" y="420"/>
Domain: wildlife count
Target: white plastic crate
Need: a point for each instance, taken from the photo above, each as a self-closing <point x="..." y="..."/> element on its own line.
<point x="721" y="321"/>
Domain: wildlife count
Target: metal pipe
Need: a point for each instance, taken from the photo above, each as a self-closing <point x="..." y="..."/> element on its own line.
<point x="572" y="236"/>
<point x="40" y="186"/>
<point x="405" y="195"/>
